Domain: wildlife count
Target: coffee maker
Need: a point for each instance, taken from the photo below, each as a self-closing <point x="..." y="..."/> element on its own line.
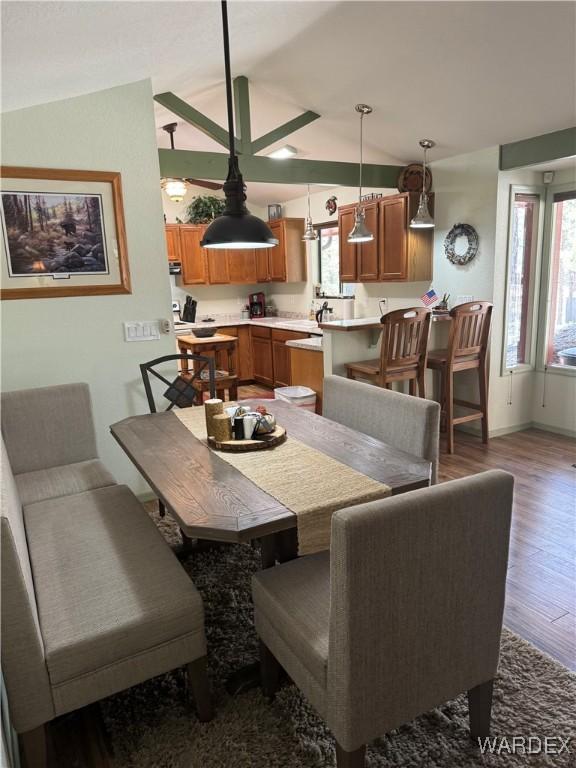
<point x="257" y="305"/>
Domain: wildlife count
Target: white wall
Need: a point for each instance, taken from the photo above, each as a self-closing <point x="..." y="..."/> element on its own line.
<point x="55" y="341"/>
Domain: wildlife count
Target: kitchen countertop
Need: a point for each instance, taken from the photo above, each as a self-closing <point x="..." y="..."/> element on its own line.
<point x="282" y="323"/>
<point x="367" y="323"/>
<point x="314" y="343"/>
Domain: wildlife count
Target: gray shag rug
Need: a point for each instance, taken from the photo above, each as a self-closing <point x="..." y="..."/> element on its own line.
<point x="154" y="726"/>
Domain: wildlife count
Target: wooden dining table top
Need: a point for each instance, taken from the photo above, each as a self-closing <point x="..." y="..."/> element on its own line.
<point x="210" y="499"/>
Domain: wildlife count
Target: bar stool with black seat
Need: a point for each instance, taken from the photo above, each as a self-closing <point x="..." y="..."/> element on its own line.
<point x="467" y="350"/>
<point x="402" y="354"/>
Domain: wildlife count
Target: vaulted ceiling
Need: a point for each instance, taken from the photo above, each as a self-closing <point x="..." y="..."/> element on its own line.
<point x="467" y="74"/>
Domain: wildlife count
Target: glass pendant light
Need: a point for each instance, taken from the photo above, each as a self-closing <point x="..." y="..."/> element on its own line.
<point x="236" y="227"/>
<point x="360" y="233"/>
<point x="309" y="233"/>
<point x="423" y="219"/>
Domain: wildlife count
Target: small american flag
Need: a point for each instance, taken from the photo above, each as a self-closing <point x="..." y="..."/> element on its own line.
<point x="429" y="298"/>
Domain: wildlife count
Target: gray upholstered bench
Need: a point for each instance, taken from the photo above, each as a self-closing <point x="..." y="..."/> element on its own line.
<point x="93" y="600"/>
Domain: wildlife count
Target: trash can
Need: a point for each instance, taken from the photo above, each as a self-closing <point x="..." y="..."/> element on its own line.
<point x="302" y="397"/>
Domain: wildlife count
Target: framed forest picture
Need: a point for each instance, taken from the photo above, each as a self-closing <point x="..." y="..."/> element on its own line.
<point x="62" y="234"/>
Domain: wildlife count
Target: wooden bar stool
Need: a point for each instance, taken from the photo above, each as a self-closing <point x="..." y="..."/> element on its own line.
<point x="403" y="351"/>
<point x="223" y="349"/>
<point x="467" y="349"/>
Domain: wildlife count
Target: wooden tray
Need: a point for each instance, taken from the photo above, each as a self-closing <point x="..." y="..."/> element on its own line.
<point x="270" y="440"/>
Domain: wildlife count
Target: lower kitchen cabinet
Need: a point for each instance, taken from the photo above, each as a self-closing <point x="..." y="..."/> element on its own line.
<point x="281" y="355"/>
<point x="271" y="356"/>
<point x="262" y="362"/>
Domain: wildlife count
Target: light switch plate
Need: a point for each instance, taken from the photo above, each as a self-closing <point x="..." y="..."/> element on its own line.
<point x="141" y="330"/>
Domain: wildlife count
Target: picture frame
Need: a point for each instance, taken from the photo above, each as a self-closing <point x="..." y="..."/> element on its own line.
<point x="62" y="233"/>
<point x="274" y="212"/>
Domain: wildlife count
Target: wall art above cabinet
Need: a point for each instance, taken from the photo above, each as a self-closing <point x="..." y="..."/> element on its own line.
<point x="285" y="263"/>
<point x="397" y="253"/>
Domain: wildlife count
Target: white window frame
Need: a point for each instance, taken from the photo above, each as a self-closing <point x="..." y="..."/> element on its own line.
<point x="546" y="283"/>
<point x="535" y="283"/>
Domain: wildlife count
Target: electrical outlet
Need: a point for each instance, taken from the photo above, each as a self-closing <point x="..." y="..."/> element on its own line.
<point x="141" y="330"/>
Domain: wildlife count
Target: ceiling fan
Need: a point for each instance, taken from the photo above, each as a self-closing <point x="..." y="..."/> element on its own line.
<point x="175" y="188"/>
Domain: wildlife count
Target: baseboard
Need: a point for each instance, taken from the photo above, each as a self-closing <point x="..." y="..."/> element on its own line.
<point x="556" y="430"/>
<point x="474" y="429"/>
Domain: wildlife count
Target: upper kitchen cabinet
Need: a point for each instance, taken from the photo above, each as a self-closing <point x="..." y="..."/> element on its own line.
<point x="173" y="242"/>
<point x="397" y="253"/>
<point x="193" y="256"/>
<point x="242" y="266"/>
<point x="285" y="262"/>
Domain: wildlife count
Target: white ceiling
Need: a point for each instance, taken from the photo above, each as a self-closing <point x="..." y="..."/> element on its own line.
<point x="467" y="74"/>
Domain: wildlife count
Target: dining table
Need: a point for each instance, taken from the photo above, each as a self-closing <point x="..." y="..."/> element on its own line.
<point x="212" y="500"/>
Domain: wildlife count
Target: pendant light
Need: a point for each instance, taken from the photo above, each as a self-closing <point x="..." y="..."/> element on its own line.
<point x="175" y="188"/>
<point x="360" y="233"/>
<point x="309" y="233"/>
<point x="423" y="219"/>
<point x="236" y="227"/>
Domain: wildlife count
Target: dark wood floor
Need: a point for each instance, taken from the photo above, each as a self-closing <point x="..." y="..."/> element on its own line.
<point x="541" y="587"/>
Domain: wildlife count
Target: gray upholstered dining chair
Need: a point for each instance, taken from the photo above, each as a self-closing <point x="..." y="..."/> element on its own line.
<point x="409" y="423"/>
<point x="403" y="614"/>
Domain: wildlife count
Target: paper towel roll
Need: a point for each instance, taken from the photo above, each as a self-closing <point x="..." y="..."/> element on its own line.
<point x="348" y="309"/>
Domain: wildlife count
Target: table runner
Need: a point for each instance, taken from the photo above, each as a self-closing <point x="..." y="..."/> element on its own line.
<point x="303" y="479"/>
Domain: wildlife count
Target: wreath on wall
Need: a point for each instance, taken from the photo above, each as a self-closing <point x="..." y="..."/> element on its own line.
<point x="461" y="230"/>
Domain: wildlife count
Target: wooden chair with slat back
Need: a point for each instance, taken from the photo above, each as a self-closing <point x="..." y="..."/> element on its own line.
<point x="402" y="353"/>
<point x="467" y="350"/>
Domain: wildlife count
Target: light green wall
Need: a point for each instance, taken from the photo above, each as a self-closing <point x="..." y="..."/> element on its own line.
<point x="54" y="341"/>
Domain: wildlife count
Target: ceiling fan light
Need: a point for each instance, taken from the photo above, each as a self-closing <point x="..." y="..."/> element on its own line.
<point x="360" y="232"/>
<point x="175" y="189"/>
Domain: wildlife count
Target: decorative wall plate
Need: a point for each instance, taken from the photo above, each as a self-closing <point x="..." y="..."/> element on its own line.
<point x="461" y="230"/>
<point x="332" y="205"/>
<point x="410" y="179"/>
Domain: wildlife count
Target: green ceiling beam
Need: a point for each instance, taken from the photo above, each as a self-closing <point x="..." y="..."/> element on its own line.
<point x="194" y="117"/>
<point x="242" y="123"/>
<point x="283" y="130"/>
<point x="539" y="149"/>
<point x="182" y="163"/>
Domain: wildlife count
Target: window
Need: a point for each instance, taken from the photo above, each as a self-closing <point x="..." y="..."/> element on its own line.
<point x="523" y="257"/>
<point x="329" y="262"/>
<point x="560" y="345"/>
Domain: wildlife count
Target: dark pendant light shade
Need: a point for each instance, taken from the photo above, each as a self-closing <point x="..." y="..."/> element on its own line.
<point x="236" y="227"/>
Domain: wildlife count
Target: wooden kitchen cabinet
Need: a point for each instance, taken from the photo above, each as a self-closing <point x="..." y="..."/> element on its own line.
<point x="348" y="260"/>
<point x="241" y="266"/>
<point x="281" y="355"/>
<point x="393" y="240"/>
<point x="367" y="253"/>
<point x="285" y="262"/>
<point x="173" y="242"/>
<point x="218" y="272"/>
<point x="358" y="262"/>
<point x="263" y="367"/>
<point x="193" y="256"/>
<point x="397" y="253"/>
